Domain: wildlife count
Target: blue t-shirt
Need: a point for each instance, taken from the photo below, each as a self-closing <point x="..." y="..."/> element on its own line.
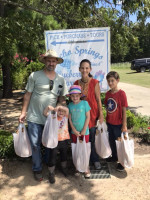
<point x="78" y="115"/>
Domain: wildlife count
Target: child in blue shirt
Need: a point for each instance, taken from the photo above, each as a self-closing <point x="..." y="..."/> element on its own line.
<point x="79" y="116"/>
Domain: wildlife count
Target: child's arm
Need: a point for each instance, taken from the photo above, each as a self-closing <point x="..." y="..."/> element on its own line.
<point x="65" y="109"/>
<point x="124" y="120"/>
<point x="77" y="133"/>
<point x="86" y="123"/>
<point x="47" y="109"/>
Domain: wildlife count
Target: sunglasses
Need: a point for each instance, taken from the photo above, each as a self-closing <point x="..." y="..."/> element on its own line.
<point x="51" y="83"/>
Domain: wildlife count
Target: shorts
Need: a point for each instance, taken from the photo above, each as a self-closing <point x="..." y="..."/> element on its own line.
<point x="74" y="138"/>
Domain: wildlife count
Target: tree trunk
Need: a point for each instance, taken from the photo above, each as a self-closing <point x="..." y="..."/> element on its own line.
<point x="1" y="9"/>
<point x="7" y="84"/>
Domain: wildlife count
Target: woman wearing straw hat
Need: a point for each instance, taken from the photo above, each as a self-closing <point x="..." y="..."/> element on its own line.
<point x="43" y="89"/>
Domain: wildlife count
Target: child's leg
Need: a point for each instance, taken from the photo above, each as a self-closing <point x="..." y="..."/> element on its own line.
<point x="51" y="164"/>
<point x="94" y="158"/>
<point x="52" y="157"/>
<point x="63" y="156"/>
<point x="114" y="132"/>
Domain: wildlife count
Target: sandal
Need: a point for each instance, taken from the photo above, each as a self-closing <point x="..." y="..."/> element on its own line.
<point x="77" y="173"/>
<point x="87" y="174"/>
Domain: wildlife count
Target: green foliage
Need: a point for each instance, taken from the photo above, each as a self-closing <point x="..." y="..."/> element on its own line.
<point x="137" y="121"/>
<point x="131" y="119"/>
<point x="21" y="30"/>
<point x="18" y="78"/>
<point x="140" y="125"/>
<point x="21" y="71"/>
<point x="145" y="135"/>
<point x="6" y="145"/>
<point x="34" y="66"/>
<point x="102" y="97"/>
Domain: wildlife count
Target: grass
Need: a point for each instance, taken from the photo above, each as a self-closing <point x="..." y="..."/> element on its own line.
<point x="130" y="76"/>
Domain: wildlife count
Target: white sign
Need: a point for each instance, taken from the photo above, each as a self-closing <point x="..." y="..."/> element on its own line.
<point x="74" y="45"/>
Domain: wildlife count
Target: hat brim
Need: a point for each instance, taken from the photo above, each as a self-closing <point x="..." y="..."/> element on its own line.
<point x="42" y="59"/>
<point x="74" y="93"/>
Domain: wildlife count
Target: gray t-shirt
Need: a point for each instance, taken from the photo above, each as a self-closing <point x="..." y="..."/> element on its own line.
<point x="42" y="96"/>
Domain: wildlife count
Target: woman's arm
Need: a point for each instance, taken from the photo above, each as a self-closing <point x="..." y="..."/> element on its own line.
<point x="77" y="133"/>
<point x="86" y="123"/>
<point x="99" y="103"/>
<point x="124" y="120"/>
<point x="47" y="109"/>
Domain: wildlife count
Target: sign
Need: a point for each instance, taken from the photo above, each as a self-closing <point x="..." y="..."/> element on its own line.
<point x="74" y="45"/>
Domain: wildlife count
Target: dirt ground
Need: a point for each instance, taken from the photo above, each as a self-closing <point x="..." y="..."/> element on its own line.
<point x="16" y="178"/>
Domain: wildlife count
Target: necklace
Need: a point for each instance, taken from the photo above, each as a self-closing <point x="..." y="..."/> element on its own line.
<point x="84" y="86"/>
<point x="84" y="81"/>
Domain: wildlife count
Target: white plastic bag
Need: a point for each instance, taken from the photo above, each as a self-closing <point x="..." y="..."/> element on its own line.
<point x="125" y="151"/>
<point x="102" y="142"/>
<point x="21" y="142"/>
<point x="50" y="131"/>
<point x="81" y="155"/>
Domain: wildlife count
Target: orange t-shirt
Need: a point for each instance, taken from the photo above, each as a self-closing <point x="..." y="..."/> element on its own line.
<point x="63" y="133"/>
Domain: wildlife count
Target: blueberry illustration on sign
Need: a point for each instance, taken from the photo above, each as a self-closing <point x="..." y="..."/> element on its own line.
<point x="99" y="76"/>
<point x="111" y="105"/>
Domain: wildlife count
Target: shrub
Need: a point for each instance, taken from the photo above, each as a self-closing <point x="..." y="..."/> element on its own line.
<point x="18" y="79"/>
<point x="146" y="135"/>
<point x="34" y="66"/>
<point x="131" y="119"/>
<point x="140" y="125"/>
<point x="6" y="145"/>
<point x="102" y="97"/>
<point x="21" y="71"/>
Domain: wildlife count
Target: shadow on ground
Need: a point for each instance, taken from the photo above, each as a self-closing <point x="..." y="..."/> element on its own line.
<point x="134" y="109"/>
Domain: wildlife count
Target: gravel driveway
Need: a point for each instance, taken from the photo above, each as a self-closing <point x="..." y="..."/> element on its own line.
<point x="138" y="98"/>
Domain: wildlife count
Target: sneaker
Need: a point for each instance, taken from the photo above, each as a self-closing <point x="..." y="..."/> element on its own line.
<point x="38" y="175"/>
<point x="77" y="173"/>
<point x="110" y="160"/>
<point x="120" y="168"/>
<point x="51" y="178"/>
<point x="97" y="165"/>
<point x="87" y="174"/>
<point x="64" y="171"/>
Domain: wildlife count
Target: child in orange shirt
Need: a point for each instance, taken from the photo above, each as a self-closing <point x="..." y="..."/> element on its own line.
<point x="63" y="136"/>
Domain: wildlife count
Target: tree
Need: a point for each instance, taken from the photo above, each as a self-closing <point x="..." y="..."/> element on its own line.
<point x="22" y="32"/>
<point x="22" y="24"/>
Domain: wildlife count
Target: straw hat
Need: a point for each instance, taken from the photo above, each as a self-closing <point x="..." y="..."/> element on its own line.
<point x="50" y="54"/>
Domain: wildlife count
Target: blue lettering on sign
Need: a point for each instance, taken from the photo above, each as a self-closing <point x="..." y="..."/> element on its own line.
<point x="65" y="53"/>
<point x="95" y="54"/>
<point x="69" y="75"/>
<point x="69" y="83"/>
